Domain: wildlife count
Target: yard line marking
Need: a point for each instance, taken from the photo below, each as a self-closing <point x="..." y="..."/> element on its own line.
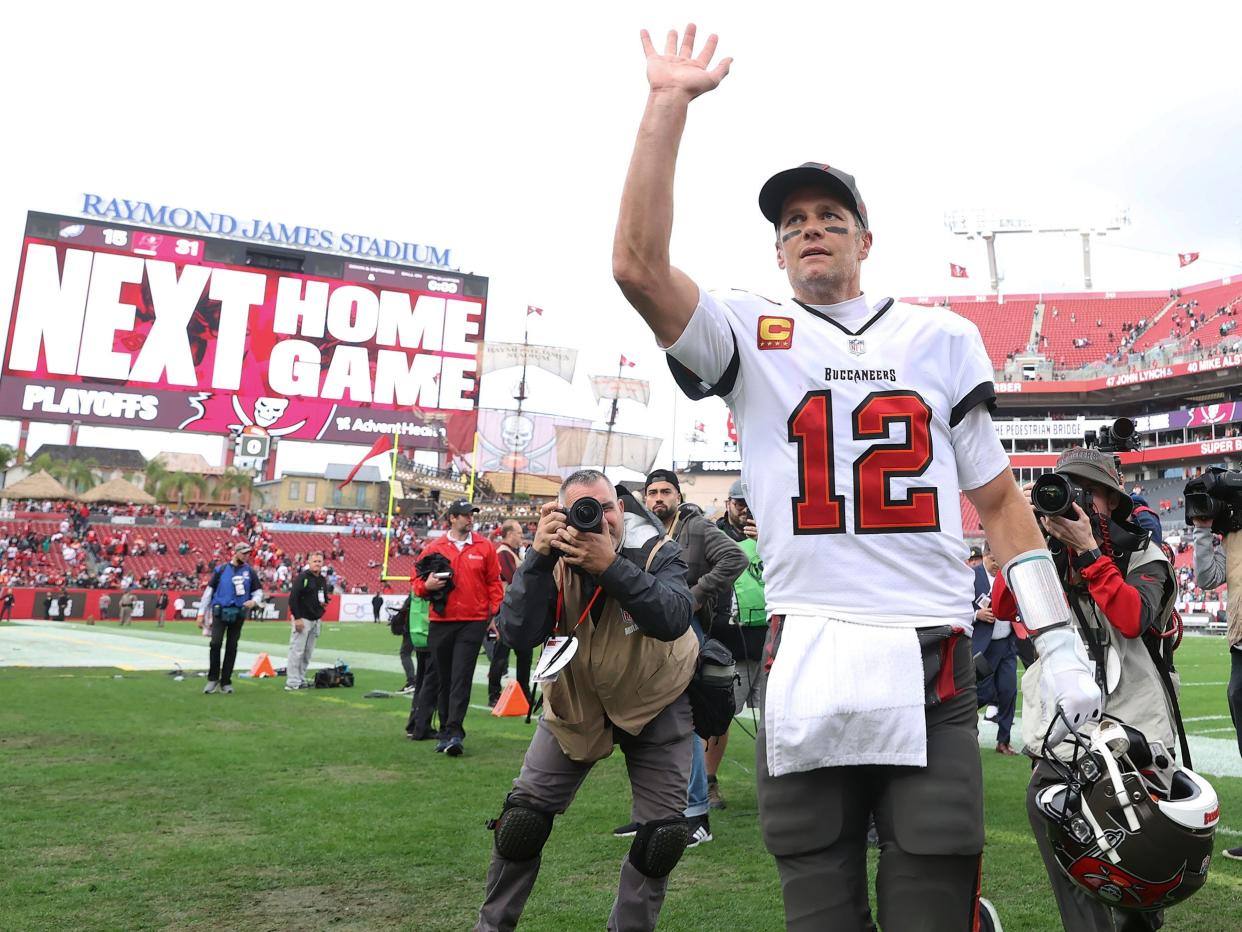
<point x="136" y="650"/>
<point x="1213" y="731"/>
<point x="1219" y="683"/>
<point x="1205" y="718"/>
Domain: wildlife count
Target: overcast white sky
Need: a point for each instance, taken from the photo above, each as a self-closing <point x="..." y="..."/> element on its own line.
<point x="502" y="131"/>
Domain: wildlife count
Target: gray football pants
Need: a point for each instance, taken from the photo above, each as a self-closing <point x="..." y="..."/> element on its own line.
<point x="301" y="647"/>
<point x="658" y="762"/>
<point x="929" y="819"/>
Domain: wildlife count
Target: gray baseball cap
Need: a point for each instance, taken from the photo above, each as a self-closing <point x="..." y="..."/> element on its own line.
<point x="738" y="490"/>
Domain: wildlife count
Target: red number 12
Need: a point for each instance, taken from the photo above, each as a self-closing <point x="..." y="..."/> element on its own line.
<point x="818" y="509"/>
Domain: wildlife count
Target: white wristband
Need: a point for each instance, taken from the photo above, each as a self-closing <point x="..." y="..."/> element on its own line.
<point x="1032" y="578"/>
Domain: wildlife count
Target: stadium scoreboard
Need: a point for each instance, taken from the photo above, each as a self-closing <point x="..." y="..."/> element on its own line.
<point x="126" y="326"/>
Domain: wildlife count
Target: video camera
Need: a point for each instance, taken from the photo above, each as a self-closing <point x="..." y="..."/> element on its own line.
<point x="1054" y="494"/>
<point x="1217" y="496"/>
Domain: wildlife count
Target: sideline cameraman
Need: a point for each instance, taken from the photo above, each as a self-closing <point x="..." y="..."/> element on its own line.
<point x="1210" y="574"/>
<point x="625" y="685"/>
<point x="1120" y="587"/>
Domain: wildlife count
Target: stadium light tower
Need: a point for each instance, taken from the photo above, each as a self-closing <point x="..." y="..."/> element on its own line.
<point x="986" y="225"/>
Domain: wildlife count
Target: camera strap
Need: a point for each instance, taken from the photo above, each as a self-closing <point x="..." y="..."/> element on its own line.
<point x="1091" y="637"/>
<point x="1162" y="668"/>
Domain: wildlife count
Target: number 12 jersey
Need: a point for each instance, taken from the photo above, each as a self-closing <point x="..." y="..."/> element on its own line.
<point x="858" y="426"/>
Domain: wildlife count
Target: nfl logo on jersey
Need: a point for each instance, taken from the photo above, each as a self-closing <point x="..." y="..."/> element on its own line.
<point x="858" y="347"/>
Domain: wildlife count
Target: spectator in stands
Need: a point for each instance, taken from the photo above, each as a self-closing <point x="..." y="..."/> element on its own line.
<point x="234" y="589"/>
<point x="307" y="604"/>
<point x="459" y="616"/>
<point x="508" y="556"/>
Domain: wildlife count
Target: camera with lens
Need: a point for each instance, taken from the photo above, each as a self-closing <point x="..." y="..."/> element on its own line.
<point x="1118" y="437"/>
<point x="1055" y="494"/>
<point x="586" y="514"/>
<point x="1217" y="496"/>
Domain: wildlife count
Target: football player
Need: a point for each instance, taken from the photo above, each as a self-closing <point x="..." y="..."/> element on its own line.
<point x="860" y="419"/>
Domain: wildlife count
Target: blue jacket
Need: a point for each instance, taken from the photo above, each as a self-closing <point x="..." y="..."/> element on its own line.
<point x="234" y="585"/>
<point x="1148" y="520"/>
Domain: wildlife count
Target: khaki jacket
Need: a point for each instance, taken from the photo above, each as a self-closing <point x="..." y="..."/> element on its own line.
<point x="1136" y="694"/>
<point x="619" y="676"/>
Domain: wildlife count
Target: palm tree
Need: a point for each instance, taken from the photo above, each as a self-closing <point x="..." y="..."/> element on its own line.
<point x="79" y="475"/>
<point x="155" y="472"/>
<point x="178" y="485"/>
<point x="237" y="480"/>
<point x="7" y="457"/>
<point x="44" y="463"/>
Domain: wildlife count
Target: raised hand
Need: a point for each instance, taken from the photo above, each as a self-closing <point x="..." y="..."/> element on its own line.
<point x="678" y="69"/>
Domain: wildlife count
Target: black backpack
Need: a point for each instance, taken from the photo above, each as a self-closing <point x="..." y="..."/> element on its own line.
<point x="399" y="620"/>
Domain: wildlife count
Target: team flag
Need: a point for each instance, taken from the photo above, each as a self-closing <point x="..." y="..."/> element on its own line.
<point x="531" y="309"/>
<point x="628" y="362"/>
<point x="382" y="445"/>
<point x="700" y="427"/>
<point x="957" y="271"/>
<point x="1185" y="258"/>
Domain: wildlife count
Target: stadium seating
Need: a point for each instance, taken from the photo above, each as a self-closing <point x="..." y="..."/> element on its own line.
<point x="1065" y="320"/>
<point x="1006" y="328"/>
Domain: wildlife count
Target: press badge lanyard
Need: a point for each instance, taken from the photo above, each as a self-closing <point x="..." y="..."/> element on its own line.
<point x="560" y="650"/>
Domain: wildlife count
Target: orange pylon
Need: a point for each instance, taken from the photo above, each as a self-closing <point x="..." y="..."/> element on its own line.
<point x="512" y="701"/>
<point x="262" y="667"/>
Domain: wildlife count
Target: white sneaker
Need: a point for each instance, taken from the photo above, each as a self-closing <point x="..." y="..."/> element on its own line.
<point x="991" y="713"/>
<point x="702" y="832"/>
<point x="227" y="690"/>
<point x="1234" y="853"/>
<point x="292" y="689"/>
<point x="211" y="687"/>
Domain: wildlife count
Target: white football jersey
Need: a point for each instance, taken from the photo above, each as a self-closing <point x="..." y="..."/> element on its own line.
<point x="858" y="426"/>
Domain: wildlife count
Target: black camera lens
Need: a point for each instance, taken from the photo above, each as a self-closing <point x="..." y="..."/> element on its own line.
<point x="1123" y="428"/>
<point x="586" y="514"/>
<point x="1053" y="495"/>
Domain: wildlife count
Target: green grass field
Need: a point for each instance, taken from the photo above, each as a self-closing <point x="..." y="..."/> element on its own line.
<point x="132" y="801"/>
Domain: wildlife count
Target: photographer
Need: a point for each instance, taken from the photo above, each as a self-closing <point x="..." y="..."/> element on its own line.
<point x="1120" y="588"/>
<point x="1210" y="574"/>
<point x="620" y="591"/>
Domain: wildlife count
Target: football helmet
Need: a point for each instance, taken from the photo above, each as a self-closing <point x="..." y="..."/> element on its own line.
<point x="1129" y="825"/>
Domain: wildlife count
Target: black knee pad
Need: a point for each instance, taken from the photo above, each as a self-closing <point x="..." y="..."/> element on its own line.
<point x="521" y="832"/>
<point x="658" y="846"/>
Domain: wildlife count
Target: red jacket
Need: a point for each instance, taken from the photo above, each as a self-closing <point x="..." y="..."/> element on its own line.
<point x="476" y="591"/>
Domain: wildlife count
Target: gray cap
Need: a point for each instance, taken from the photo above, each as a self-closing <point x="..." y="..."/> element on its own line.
<point x="738" y="489"/>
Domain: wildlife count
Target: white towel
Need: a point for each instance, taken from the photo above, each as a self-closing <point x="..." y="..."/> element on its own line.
<point x="842" y="694"/>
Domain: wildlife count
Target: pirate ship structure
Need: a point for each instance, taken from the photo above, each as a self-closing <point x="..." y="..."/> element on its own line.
<point x="526" y="453"/>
